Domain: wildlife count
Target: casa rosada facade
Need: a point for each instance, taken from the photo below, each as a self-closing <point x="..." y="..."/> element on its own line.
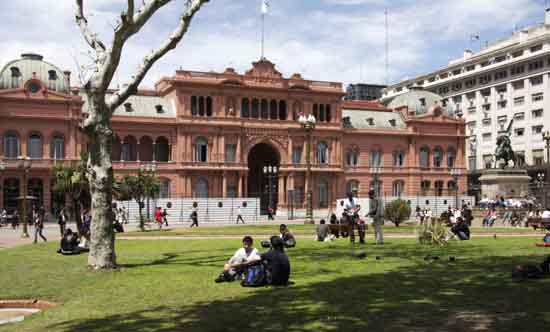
<point x="229" y="135"/>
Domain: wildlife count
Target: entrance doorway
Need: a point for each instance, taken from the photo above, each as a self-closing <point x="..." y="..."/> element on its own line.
<point x="263" y="179"/>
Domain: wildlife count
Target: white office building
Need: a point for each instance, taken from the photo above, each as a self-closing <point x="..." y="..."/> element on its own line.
<point x="507" y="80"/>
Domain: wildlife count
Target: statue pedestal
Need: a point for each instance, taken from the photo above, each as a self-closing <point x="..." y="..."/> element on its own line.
<point x="510" y="183"/>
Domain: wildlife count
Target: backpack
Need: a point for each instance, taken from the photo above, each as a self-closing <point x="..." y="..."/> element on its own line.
<point x="255" y="276"/>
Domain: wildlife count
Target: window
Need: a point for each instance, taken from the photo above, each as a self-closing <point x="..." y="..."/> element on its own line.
<point x="486" y="122"/>
<point x="451" y="158"/>
<point x="537" y="80"/>
<point x="201" y="189"/>
<point x="457" y="72"/>
<point x="377" y="187"/>
<point x="536" y="130"/>
<point x="11" y="145"/>
<point x="536" y="48"/>
<point x="322" y="153"/>
<point x="518" y="101"/>
<point x="164" y="188"/>
<point x="439" y="188"/>
<point x="245" y="108"/>
<point x="52" y="77"/>
<point x="398" y="159"/>
<point x="517" y="54"/>
<point x="159" y="108"/>
<point x="438" y="157"/>
<point x="488" y="161"/>
<point x="537" y="113"/>
<point x="518" y="85"/>
<point x="470" y="68"/>
<point x="15" y="77"/>
<point x="201" y="150"/>
<point x="538" y="157"/>
<point x="537" y="97"/>
<point x="500" y="58"/>
<point x="516" y="70"/>
<point x="264" y="109"/>
<point x="128" y="107"/>
<point x="472" y="163"/>
<point x="484" y="79"/>
<point x="397" y="188"/>
<point x="443" y="90"/>
<point x="35" y="146"/>
<point x="486" y="107"/>
<point x="352" y="187"/>
<point x="425" y="185"/>
<point x="520" y="157"/>
<point x="501" y="89"/>
<point x="296" y="155"/>
<point x="486" y="137"/>
<point x="57" y="150"/>
<point x="201" y="106"/>
<point x="424" y="157"/>
<point x="500" y="75"/>
<point x="456" y="86"/>
<point x="376" y="158"/>
<point x="501" y="104"/>
<point x="519" y="116"/>
<point x="519" y="132"/>
<point x="485" y="64"/>
<point x="231" y="153"/>
<point x="321" y="112"/>
<point x="352" y="157"/>
<point x="535" y="65"/>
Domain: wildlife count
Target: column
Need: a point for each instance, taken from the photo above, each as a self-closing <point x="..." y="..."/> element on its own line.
<point x="281" y="190"/>
<point x="169" y="151"/>
<point x="290" y="148"/>
<point x="137" y="150"/>
<point x="240" y="186"/>
<point x="245" y="184"/>
<point x="239" y="159"/>
<point x="121" y="149"/>
<point x="154" y="150"/>
<point x="221" y="149"/>
<point x="224" y="185"/>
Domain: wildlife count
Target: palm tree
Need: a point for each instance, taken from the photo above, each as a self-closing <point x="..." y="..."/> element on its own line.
<point x="138" y="188"/>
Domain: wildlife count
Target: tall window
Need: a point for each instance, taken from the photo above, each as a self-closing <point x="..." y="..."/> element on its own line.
<point x="12" y="145"/>
<point x="376" y="158"/>
<point x="264" y="109"/>
<point x="398" y="159"/>
<point x="57" y="150"/>
<point x="201" y="189"/>
<point x="297" y="155"/>
<point x="230" y="153"/>
<point x="35" y="146"/>
<point x="397" y="188"/>
<point x="282" y="110"/>
<point x="201" y="106"/>
<point x="451" y="158"/>
<point x="488" y="161"/>
<point x="201" y="150"/>
<point x="322" y="153"/>
<point x="245" y="108"/>
<point x="424" y="157"/>
<point x="377" y="187"/>
<point x="425" y="186"/>
<point x="273" y="114"/>
<point x="438" y="157"/>
<point x="352" y="157"/>
<point x="322" y="191"/>
<point x="255" y="114"/>
<point x="129" y="149"/>
<point x="164" y="190"/>
<point x="439" y="188"/>
<point x="352" y="186"/>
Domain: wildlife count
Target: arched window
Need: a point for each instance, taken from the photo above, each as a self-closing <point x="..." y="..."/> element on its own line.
<point x="201" y="189"/>
<point x="208" y="106"/>
<point x="164" y="190"/>
<point x="438" y="157"/>
<point x="451" y="186"/>
<point x="424" y="157"/>
<point x="376" y="158"/>
<point x="322" y="193"/>
<point x="129" y="149"/>
<point x="265" y="109"/>
<point x="398" y="159"/>
<point x="35" y="146"/>
<point x="15" y="77"/>
<point x="451" y="158"/>
<point x="145" y="148"/>
<point x="425" y="186"/>
<point x="162" y="149"/>
<point x="116" y="149"/>
<point x="194" y="105"/>
<point x="377" y="187"/>
<point x="230" y="107"/>
<point x="282" y="110"/>
<point x="273" y="113"/>
<point x="352" y="157"/>
<point x="328" y="115"/>
<point x="245" y="108"/>
<point x="12" y="145"/>
<point x="352" y="186"/>
<point x="322" y="116"/>
<point x="201" y="150"/>
<point x="202" y="108"/>
<point x="255" y="108"/>
<point x="439" y="188"/>
<point x="398" y="188"/>
<point x="322" y="153"/>
<point x="57" y="147"/>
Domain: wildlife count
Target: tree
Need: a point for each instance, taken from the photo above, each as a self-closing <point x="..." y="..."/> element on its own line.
<point x="72" y="181"/>
<point x="139" y="188"/>
<point x="97" y="125"/>
<point x="397" y="211"/>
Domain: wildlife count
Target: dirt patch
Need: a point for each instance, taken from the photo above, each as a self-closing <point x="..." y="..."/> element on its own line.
<point x="26" y="304"/>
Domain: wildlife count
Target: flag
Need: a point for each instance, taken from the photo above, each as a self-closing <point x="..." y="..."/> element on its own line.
<point x="474" y="37"/>
<point x="265" y="6"/>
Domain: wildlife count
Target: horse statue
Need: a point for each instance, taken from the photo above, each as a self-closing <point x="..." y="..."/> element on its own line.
<point x="504" y="148"/>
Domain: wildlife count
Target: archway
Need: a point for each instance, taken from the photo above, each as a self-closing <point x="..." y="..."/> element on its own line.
<point x="263" y="169"/>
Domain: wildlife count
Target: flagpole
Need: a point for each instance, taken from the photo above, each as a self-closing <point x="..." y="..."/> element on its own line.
<point x="263" y="32"/>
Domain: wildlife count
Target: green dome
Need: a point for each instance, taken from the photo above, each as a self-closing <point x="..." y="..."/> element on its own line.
<point x="417" y="100"/>
<point x="17" y="72"/>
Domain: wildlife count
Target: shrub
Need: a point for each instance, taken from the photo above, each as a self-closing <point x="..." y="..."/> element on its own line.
<point x="397" y="211"/>
<point x="433" y="233"/>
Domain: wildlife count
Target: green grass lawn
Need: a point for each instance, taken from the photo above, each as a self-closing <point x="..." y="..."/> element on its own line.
<point x="167" y="285"/>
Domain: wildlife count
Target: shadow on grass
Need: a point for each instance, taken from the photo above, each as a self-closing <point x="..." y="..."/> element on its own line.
<point x="476" y="294"/>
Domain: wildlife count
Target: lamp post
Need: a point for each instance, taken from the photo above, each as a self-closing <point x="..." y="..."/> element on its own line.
<point x="308" y="124"/>
<point x="149" y="168"/>
<point x="271" y="173"/>
<point x="455" y="173"/>
<point x="540" y="187"/>
<point x="24" y="164"/>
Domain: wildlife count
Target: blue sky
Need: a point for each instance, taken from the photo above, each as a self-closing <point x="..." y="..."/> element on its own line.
<point x="333" y="40"/>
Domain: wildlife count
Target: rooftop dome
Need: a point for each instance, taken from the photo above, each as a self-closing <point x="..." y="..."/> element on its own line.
<point x="15" y="73"/>
<point x="417" y="100"/>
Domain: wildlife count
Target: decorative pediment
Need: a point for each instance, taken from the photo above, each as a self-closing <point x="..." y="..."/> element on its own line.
<point x="264" y="68"/>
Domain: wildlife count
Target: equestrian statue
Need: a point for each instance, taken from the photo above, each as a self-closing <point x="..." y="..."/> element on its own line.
<point x="504" y="149"/>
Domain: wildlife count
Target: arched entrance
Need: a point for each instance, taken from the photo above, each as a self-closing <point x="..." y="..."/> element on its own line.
<point x="263" y="175"/>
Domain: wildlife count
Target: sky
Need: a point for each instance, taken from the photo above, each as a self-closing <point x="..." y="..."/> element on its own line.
<point x="328" y="40"/>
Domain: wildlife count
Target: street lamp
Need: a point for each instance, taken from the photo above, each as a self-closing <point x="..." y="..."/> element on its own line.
<point x="455" y="173"/>
<point x="271" y="173"/>
<point x="308" y="124"/>
<point x="24" y="164"/>
<point x="149" y="168"/>
<point x="540" y="186"/>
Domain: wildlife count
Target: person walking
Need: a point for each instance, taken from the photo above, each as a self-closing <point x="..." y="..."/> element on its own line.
<point x="239" y="215"/>
<point x="15" y="220"/>
<point x="270" y="213"/>
<point x="158" y="216"/>
<point x="375" y="212"/>
<point x="165" y="217"/>
<point x="194" y="218"/>
<point x="38" y="216"/>
<point x="62" y="221"/>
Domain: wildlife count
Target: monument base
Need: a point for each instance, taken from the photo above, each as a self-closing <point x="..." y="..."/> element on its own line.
<point x="510" y="183"/>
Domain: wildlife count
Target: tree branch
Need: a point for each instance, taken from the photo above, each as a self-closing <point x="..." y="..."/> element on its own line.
<point x="146" y="12"/>
<point x="89" y="36"/>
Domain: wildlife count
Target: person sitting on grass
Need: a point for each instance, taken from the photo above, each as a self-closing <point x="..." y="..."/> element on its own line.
<point x="323" y="233"/>
<point x="270" y="268"/>
<point x="69" y="243"/>
<point x="546" y="238"/>
<point x="461" y="229"/>
<point x="287" y="237"/>
<point x="233" y="268"/>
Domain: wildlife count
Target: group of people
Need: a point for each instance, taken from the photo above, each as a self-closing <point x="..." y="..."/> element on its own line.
<point x="161" y="217"/>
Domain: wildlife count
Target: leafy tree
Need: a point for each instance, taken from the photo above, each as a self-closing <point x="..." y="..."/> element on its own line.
<point x="139" y="188"/>
<point x="397" y="211"/>
<point x="101" y="106"/>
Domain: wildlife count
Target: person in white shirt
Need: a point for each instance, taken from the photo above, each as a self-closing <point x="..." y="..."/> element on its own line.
<point x="546" y="214"/>
<point x="232" y="268"/>
<point x="351" y="215"/>
<point x="239" y="215"/>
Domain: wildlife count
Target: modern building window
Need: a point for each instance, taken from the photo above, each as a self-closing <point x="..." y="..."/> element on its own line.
<point x="517" y="54"/>
<point x="537" y="113"/>
<point x="352" y="157"/>
<point x="486" y="122"/>
<point x="398" y="159"/>
<point x="438" y="157"/>
<point x="398" y="188"/>
<point x="519" y="116"/>
<point x="322" y="153"/>
<point x="486" y="137"/>
<point x="536" y="48"/>
<point x="201" y="189"/>
<point x="516" y="70"/>
<point x="488" y="161"/>
<point x="35" y="146"/>
<point x="201" y="150"/>
<point x="502" y="104"/>
<point x="518" y="85"/>
<point x="484" y="79"/>
<point x="57" y="148"/>
<point x="375" y="158"/>
<point x="486" y="107"/>
<point x="352" y="187"/>
<point x="535" y="65"/>
<point x="12" y="146"/>
<point x="424" y="157"/>
<point x="230" y="153"/>
<point x="520" y="157"/>
<point x="536" y="130"/>
<point x="470" y="83"/>
<point x="519" y="132"/>
<point x="518" y="101"/>
<point x="537" y="97"/>
<point x="535" y="81"/>
<point x="500" y="75"/>
<point x="451" y="158"/>
<point x="538" y="157"/>
<point x="296" y="155"/>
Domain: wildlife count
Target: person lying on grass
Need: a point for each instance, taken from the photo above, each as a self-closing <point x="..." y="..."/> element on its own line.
<point x="233" y="268"/>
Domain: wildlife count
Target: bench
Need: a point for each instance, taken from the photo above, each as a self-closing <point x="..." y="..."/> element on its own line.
<point x="537" y="223"/>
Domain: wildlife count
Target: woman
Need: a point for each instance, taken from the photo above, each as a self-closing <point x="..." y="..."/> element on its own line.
<point x="62" y="221"/>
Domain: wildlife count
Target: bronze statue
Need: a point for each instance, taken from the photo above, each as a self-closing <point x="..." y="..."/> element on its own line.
<point x="504" y="148"/>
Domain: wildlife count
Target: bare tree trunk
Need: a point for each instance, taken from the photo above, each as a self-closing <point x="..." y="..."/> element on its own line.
<point x="102" y="242"/>
<point x="141" y="224"/>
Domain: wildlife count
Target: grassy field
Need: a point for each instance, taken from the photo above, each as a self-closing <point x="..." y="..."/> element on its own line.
<point x="168" y="285"/>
